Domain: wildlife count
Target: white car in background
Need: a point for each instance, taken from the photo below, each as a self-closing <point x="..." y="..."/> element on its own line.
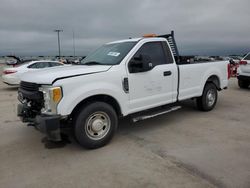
<point x="11" y="75"/>
<point x="243" y="72"/>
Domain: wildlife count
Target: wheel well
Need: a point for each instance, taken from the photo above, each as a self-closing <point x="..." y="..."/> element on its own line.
<point x="101" y="98"/>
<point x="215" y="80"/>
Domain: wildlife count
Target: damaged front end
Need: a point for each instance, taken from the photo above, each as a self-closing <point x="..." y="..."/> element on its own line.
<point x="37" y="110"/>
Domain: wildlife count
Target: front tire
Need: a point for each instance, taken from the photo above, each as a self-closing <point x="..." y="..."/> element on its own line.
<point x="243" y="84"/>
<point x="95" y="125"/>
<point x="208" y="99"/>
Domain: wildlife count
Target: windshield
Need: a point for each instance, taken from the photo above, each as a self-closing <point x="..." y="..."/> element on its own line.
<point x="108" y="54"/>
<point x="247" y="57"/>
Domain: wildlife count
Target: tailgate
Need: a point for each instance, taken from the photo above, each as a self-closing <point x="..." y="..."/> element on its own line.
<point x="245" y="68"/>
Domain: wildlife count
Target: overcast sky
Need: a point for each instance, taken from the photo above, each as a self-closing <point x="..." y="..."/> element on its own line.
<point x="202" y="27"/>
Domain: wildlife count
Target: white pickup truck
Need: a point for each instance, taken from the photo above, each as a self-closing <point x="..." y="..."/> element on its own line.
<point x="137" y="77"/>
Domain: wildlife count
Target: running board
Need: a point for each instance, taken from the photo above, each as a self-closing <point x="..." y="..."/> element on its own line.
<point x="143" y="117"/>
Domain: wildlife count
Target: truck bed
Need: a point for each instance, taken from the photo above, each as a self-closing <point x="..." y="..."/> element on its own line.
<point x="192" y="77"/>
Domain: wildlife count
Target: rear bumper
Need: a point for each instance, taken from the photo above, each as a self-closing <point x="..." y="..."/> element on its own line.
<point x="48" y="124"/>
<point x="243" y="77"/>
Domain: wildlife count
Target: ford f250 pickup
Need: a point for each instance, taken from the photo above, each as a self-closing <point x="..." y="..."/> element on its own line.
<point x="140" y="77"/>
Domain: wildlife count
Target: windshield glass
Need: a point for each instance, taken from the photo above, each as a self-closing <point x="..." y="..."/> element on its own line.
<point x="247" y="57"/>
<point x="108" y="54"/>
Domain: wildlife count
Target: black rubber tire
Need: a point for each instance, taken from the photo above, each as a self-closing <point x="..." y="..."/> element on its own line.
<point x="81" y="121"/>
<point x="243" y="84"/>
<point x="202" y="103"/>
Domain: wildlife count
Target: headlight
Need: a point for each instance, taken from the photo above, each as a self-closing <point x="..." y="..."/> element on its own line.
<point x="52" y="96"/>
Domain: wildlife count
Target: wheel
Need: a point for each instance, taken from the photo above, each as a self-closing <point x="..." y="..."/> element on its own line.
<point x="95" y="125"/>
<point x="243" y="84"/>
<point x="208" y="99"/>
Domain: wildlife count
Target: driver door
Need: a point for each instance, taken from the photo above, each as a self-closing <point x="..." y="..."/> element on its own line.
<point x="155" y="86"/>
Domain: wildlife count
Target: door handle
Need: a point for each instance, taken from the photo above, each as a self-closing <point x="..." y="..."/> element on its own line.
<point x="167" y="73"/>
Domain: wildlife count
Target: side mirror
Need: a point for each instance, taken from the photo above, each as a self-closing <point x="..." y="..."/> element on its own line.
<point x="141" y="63"/>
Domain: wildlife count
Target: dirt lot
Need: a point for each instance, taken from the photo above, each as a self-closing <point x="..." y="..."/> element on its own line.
<point x="186" y="148"/>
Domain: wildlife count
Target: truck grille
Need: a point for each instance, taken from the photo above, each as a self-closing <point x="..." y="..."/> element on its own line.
<point x="28" y="86"/>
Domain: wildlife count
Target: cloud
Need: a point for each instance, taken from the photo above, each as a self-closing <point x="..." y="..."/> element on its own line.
<point x="202" y="27"/>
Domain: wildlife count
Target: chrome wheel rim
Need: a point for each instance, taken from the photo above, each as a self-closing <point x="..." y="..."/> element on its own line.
<point x="97" y="125"/>
<point x="210" y="97"/>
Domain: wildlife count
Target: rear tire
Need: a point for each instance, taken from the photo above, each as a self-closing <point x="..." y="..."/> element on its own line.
<point x="95" y="125"/>
<point x="208" y="99"/>
<point x="243" y="84"/>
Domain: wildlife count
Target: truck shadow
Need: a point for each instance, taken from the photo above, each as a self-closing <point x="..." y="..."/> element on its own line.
<point x="60" y="144"/>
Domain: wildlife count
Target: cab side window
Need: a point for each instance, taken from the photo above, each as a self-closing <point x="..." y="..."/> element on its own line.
<point x="154" y="50"/>
<point x="167" y="51"/>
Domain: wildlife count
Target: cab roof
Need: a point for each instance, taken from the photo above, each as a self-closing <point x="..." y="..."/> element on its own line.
<point x="137" y="39"/>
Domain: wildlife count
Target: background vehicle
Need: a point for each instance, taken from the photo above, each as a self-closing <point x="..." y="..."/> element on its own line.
<point x="203" y="58"/>
<point x="15" y="61"/>
<point x="243" y="72"/>
<point x="11" y="75"/>
<point x="235" y="58"/>
<point x="73" y="60"/>
<point x="141" y="77"/>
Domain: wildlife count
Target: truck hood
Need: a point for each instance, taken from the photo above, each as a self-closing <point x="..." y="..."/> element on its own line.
<point x="50" y="75"/>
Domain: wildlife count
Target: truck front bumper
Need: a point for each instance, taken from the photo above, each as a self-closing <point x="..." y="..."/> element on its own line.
<point x="48" y="124"/>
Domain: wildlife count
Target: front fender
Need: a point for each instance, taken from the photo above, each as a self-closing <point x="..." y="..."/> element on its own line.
<point x="73" y="96"/>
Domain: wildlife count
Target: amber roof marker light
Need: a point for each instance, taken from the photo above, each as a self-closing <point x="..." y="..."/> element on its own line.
<point x="149" y="35"/>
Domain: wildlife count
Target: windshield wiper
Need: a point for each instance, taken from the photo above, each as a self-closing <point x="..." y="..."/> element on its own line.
<point x="92" y="63"/>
